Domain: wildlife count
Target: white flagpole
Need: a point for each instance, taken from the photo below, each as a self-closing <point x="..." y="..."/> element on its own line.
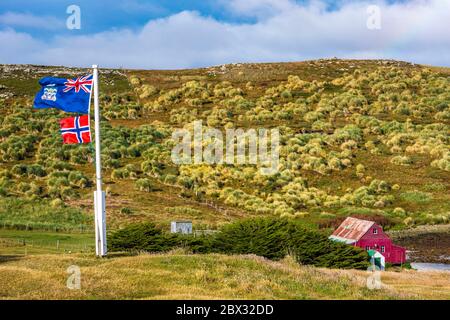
<point x="99" y="195"/>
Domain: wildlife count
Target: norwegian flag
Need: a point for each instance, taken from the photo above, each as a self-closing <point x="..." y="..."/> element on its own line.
<point x="75" y="130"/>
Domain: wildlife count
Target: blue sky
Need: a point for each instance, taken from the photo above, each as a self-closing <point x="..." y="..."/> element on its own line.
<point x="104" y="15"/>
<point x="168" y="34"/>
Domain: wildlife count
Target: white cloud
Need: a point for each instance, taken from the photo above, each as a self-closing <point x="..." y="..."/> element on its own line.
<point x="16" y="46"/>
<point x="416" y="31"/>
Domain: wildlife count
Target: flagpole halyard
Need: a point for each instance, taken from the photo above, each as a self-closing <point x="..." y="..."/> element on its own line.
<point x="99" y="195"/>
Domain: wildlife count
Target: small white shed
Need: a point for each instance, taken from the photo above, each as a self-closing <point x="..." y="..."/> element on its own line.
<point x="184" y="227"/>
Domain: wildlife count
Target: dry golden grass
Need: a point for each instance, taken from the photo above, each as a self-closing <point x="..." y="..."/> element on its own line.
<point x="182" y="276"/>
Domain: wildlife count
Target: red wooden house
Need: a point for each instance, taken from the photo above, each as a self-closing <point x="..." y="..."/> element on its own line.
<point x="370" y="236"/>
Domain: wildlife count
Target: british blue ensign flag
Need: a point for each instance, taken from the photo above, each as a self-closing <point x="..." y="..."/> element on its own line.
<point x="70" y="95"/>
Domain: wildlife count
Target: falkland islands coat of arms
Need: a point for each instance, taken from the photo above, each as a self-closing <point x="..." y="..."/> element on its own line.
<point x="49" y="94"/>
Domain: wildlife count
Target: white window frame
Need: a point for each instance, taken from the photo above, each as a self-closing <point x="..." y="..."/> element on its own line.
<point x="383" y="249"/>
<point x="375" y="231"/>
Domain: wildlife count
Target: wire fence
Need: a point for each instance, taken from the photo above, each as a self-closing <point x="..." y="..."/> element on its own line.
<point x="45" y="227"/>
<point x="25" y="246"/>
<point x="198" y="233"/>
<point x="47" y="245"/>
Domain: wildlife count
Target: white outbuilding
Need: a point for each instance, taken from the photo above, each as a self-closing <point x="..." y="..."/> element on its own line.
<point x="183" y="227"/>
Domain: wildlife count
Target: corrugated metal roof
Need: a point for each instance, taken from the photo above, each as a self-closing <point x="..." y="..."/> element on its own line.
<point x="339" y="239"/>
<point x="351" y="230"/>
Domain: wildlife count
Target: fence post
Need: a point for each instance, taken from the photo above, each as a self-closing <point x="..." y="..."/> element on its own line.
<point x="57" y="244"/>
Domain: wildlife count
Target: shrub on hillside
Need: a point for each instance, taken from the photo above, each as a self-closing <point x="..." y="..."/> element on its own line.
<point x="19" y="170"/>
<point x="144" y="184"/>
<point x="401" y="160"/>
<point x="118" y="174"/>
<point x="78" y="179"/>
<point x="443" y="164"/>
<point x="36" y="170"/>
<point x="147" y="91"/>
<point x="135" y="81"/>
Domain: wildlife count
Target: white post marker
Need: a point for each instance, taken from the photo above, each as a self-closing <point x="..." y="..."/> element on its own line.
<point x="99" y="195"/>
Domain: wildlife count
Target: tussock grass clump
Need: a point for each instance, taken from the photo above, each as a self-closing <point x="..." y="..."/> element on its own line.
<point x="443" y="164"/>
<point x="145" y="184"/>
<point x="146" y="91"/>
<point x="401" y="160"/>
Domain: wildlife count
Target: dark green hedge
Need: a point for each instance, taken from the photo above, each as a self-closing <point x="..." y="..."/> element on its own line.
<point x="148" y="237"/>
<point x="272" y="238"/>
<point x="145" y="236"/>
<point x="266" y="237"/>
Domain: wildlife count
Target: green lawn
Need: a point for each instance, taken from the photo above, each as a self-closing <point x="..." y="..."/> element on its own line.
<point x="21" y="242"/>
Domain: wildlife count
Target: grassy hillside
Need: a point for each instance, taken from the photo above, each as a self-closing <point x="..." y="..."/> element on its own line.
<point x="367" y="138"/>
<point x="181" y="276"/>
<point x="364" y="138"/>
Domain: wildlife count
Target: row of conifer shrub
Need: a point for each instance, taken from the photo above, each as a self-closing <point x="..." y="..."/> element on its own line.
<point x="272" y="238"/>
